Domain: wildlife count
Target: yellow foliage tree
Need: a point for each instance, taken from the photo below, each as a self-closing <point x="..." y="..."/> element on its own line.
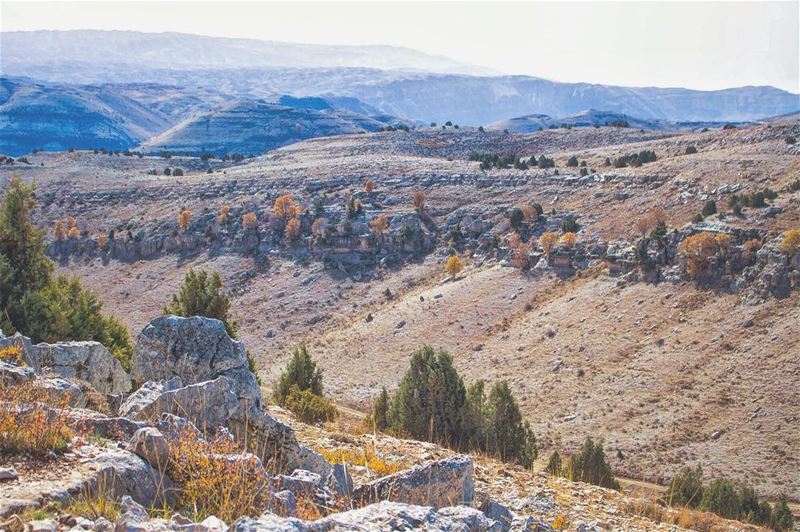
<point x="74" y="232"/>
<point x="249" y="220"/>
<point x="697" y="250"/>
<point x="548" y="241"/>
<point x="185" y="219"/>
<point x="285" y="208"/>
<point x="71" y="221"/>
<point x="60" y="232"/>
<point x="292" y="229"/>
<point x="368" y="186"/>
<point x="418" y="199"/>
<point x="379" y="225"/>
<point x="453" y="266"/>
<point x="519" y="251"/>
<point x="791" y="242"/>
<point x="224" y="215"/>
<point x="569" y="239"/>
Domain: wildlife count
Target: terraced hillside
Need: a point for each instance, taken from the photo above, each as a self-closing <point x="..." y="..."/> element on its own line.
<point x="666" y="372"/>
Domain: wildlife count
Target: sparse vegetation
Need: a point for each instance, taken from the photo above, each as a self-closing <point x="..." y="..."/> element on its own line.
<point x="453" y="266"/>
<point x="791" y="242"/>
<point x="589" y="465"/>
<point x="432" y="404"/>
<point x="32" y="423"/>
<point x="214" y="477"/>
<point x="34" y="301"/>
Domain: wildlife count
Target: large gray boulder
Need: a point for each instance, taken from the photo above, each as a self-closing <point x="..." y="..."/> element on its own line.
<point x="443" y="483"/>
<point x="194" y="349"/>
<point x="88" y="361"/>
<point x="146" y="395"/>
<point x="199" y="373"/>
<point x="113" y="471"/>
<point x="383" y="516"/>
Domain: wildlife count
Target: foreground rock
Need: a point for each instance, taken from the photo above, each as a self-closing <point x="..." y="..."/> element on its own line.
<point x="440" y="484"/>
<point x="88" y="361"/>
<point x="381" y="516"/>
<point x="108" y="470"/>
<point x="192" y="368"/>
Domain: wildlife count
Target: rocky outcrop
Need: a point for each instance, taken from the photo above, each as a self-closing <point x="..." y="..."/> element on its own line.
<point x="447" y="482"/>
<point x="88" y="361"/>
<point x="210" y="384"/>
<point x="383" y="516"/>
<point x="113" y="471"/>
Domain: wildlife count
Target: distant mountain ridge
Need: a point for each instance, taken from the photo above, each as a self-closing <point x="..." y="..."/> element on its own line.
<point x="174" y="50"/>
<point x="397" y="81"/>
<point x="254" y="127"/>
<point x="593" y="117"/>
<point x="118" y="117"/>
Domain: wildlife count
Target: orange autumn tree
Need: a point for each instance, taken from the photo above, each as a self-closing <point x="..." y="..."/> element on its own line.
<point x="185" y="219"/>
<point x="249" y="220"/>
<point x="548" y="241"/>
<point x="519" y="251"/>
<point x="453" y="266"/>
<point x="224" y="215"/>
<point x="368" y="186"/>
<point x="292" y="229"/>
<point x="569" y="239"/>
<point x="285" y="208"/>
<point x="60" y="232"/>
<point x="791" y="242"/>
<point x="697" y="250"/>
<point x="379" y="225"/>
<point x="418" y="199"/>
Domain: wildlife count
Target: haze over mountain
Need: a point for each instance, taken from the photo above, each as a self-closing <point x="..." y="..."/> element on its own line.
<point x="184" y="51"/>
<point x="593" y="117"/>
<point x="399" y="82"/>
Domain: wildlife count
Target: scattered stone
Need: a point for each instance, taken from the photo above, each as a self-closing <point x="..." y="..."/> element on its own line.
<point x="439" y="484"/>
<point x="151" y="445"/>
<point x="8" y="474"/>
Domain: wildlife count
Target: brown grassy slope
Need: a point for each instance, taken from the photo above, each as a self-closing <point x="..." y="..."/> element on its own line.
<point x="662" y="368"/>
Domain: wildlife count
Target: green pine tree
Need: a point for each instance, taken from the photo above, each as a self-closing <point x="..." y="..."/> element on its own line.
<point x="302" y="372"/>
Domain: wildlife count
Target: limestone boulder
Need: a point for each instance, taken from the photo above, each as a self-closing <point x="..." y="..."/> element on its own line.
<point x="199" y="373"/>
<point x="88" y="361"/>
<point x="439" y="484"/>
<point x="382" y="516"/>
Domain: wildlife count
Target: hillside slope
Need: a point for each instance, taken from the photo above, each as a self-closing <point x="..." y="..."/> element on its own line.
<point x="666" y="373"/>
<point x="256" y="127"/>
<point x="34" y="115"/>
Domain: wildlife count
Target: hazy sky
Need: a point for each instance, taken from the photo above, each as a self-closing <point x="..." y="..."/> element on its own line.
<point x="703" y="45"/>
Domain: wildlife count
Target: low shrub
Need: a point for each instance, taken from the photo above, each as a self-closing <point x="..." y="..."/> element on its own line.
<point x="589" y="465"/>
<point x="32" y="422"/>
<point x="309" y="407"/>
<point x="214" y="477"/>
<point x="364" y="457"/>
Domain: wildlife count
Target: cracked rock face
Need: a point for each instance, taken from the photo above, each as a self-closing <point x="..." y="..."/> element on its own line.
<point x="88" y="361"/>
<point x="383" y="516"/>
<point x="444" y="483"/>
<point x="193" y="369"/>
